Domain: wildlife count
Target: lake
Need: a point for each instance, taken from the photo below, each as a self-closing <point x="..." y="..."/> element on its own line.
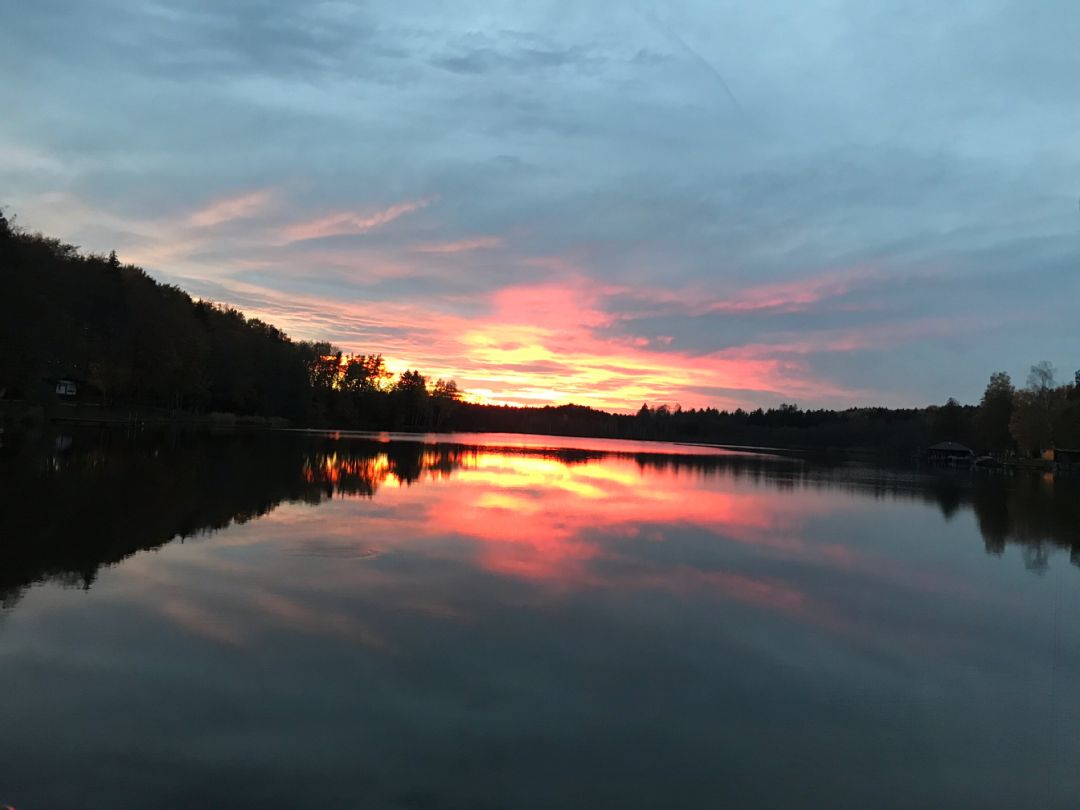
<point x="482" y="621"/>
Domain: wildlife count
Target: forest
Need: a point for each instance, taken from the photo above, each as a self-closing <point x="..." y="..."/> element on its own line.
<point x="136" y="345"/>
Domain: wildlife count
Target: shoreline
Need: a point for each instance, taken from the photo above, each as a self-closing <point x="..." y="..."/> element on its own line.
<point x="20" y="417"/>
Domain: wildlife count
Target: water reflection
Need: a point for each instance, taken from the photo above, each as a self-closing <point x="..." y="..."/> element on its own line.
<point x="69" y="505"/>
<point x="436" y="625"/>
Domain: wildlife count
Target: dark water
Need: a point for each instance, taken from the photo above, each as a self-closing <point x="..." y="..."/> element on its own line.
<point x="296" y="621"/>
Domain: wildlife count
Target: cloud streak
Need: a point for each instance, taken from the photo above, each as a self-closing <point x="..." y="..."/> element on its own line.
<point x="231" y="209"/>
<point x="461" y="245"/>
<point x="349" y="223"/>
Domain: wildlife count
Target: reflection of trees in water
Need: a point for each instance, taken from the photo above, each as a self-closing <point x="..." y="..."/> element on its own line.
<point x="360" y="471"/>
<point x="1033" y="511"/>
<point x="65" y="513"/>
<point x="1030" y="510"/>
<point x="68" y="508"/>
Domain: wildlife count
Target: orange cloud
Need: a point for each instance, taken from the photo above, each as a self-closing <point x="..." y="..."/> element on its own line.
<point x="546" y="344"/>
<point x="542" y="344"/>
<point x="345" y="223"/>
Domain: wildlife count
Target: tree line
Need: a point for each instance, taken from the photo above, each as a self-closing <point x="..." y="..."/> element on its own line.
<point x="140" y="344"/>
<point x="1026" y="421"/>
<point x="136" y="343"/>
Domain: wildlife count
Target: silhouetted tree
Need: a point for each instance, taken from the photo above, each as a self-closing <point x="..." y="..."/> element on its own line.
<point x="365" y="373"/>
<point x="951" y="422"/>
<point x="444" y="400"/>
<point x="410" y="398"/>
<point x="1036" y="410"/>
<point x="995" y="413"/>
<point x="1067" y="422"/>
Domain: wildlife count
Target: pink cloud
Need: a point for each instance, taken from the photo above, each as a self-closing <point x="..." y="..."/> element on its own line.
<point x="546" y="344"/>
<point x="345" y="223"/>
<point x="228" y="209"/>
<point x="794" y="296"/>
<point x="548" y="341"/>
<point x="460" y="246"/>
<point x="798" y="295"/>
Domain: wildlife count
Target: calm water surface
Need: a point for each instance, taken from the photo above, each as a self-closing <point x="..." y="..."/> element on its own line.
<point x="297" y="620"/>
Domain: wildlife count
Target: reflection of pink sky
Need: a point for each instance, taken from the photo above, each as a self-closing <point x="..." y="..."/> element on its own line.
<point x="552" y="528"/>
<point x="541" y="519"/>
<point x="539" y="441"/>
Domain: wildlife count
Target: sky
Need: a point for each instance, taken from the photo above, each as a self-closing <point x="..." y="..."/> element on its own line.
<point x="699" y="203"/>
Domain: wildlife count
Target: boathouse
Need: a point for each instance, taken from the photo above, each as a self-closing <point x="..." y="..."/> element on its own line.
<point x="950" y="452"/>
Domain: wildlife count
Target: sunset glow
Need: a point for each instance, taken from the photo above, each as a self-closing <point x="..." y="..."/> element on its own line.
<point x="548" y="345"/>
<point x="604" y="208"/>
<point x="571" y="405"/>
<point x="538" y="518"/>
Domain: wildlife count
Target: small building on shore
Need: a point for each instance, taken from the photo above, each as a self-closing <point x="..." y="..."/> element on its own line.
<point x="950" y="453"/>
<point x="69" y="390"/>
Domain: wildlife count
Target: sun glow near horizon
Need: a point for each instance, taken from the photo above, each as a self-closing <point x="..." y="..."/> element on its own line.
<point x="559" y="343"/>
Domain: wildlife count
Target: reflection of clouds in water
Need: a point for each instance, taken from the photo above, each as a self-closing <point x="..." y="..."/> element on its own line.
<point x="209" y="595"/>
<point x="608" y="525"/>
<point x="531" y="511"/>
<point x="525" y="617"/>
<point x="538" y="518"/>
<point x="332" y="550"/>
<point x="515" y="518"/>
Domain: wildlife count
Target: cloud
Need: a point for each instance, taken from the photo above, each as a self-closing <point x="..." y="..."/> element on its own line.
<point x="477" y="54"/>
<point x="347" y="223"/>
<point x="793" y="296"/>
<point x="232" y="208"/>
<point x="461" y="245"/>
<point x="26" y="159"/>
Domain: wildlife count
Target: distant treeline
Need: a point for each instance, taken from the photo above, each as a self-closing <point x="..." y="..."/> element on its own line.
<point x="131" y="343"/>
<point x="1008" y="421"/>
